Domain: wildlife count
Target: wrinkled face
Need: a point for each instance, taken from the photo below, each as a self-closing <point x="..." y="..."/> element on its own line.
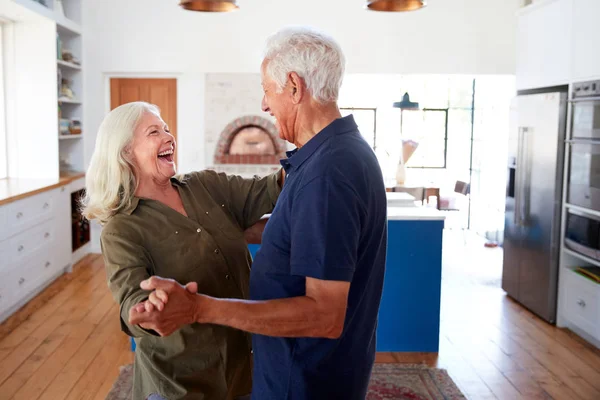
<point x="152" y="149"/>
<point x="279" y="105"/>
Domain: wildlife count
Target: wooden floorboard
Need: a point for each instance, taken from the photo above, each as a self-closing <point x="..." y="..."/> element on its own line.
<point x="66" y="343"/>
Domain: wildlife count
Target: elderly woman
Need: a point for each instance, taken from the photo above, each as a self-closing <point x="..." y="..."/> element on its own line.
<point x="189" y="228"/>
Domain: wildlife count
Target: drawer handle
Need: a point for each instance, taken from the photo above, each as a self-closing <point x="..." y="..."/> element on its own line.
<point x="581" y="303"/>
<point x="46" y="205"/>
<point x="20" y="248"/>
<point x="62" y="189"/>
<point x="19" y="215"/>
<point x="46" y="235"/>
<point x="47" y="264"/>
<point x="21" y="281"/>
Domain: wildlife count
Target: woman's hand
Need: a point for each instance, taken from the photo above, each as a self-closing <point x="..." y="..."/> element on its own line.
<point x="179" y="310"/>
<point x="159" y="298"/>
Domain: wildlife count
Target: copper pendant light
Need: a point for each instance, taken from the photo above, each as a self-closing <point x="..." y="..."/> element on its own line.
<point x="209" y="5"/>
<point x="395" y="5"/>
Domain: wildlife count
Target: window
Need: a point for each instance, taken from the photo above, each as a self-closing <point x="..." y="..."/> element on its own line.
<point x="366" y="119"/>
<point x="428" y="128"/>
<point x="3" y="150"/>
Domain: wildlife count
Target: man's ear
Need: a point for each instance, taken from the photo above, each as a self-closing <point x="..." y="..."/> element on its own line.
<point x="297" y="87"/>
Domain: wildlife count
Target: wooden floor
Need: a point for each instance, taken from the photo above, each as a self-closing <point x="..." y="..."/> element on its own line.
<point x="66" y="343"/>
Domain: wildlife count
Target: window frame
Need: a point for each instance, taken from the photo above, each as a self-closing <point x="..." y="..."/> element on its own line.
<point x="423" y="110"/>
<point x="374" y="109"/>
<point x="3" y="125"/>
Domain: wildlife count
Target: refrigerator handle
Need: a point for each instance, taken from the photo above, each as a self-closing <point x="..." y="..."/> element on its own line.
<point x="518" y="179"/>
<point x="526" y="178"/>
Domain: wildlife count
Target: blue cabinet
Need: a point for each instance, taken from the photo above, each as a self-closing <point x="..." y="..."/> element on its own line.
<point x="409" y="315"/>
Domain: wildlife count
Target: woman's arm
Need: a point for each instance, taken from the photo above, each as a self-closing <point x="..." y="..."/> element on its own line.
<point x="248" y="199"/>
<point x="127" y="264"/>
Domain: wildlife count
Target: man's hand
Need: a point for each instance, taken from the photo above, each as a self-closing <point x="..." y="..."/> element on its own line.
<point x="159" y="298"/>
<point x="169" y="307"/>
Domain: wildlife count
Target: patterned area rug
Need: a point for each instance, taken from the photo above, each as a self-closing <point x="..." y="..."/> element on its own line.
<point x="411" y="382"/>
<point x="388" y="382"/>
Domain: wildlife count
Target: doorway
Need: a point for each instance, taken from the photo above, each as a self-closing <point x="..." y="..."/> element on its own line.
<point x="158" y="91"/>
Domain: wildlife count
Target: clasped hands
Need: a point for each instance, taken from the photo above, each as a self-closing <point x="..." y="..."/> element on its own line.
<point x="168" y="307"/>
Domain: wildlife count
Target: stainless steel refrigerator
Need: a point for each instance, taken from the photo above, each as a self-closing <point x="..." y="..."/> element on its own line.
<point x="534" y="201"/>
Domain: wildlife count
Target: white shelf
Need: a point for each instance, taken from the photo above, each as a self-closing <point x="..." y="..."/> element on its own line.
<point x="581" y="257"/>
<point x="37" y="8"/>
<point x="68" y="64"/>
<point x="70" y="137"/>
<point x="67" y="26"/>
<point x="583" y="209"/>
<point x="534" y="6"/>
<point x="593" y="285"/>
<point x="63" y="24"/>
<point x="69" y="101"/>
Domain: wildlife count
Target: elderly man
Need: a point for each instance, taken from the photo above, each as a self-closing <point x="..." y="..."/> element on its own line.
<point x="316" y="282"/>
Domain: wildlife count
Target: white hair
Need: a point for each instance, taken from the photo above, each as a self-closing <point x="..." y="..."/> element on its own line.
<point x="110" y="181"/>
<point x="313" y="55"/>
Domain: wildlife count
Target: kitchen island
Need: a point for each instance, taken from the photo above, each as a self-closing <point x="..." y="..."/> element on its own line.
<point x="409" y="315"/>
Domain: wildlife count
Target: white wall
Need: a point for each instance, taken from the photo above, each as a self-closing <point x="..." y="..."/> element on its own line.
<point x="157" y="36"/>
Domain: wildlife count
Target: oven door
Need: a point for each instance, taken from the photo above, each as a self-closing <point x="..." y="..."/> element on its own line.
<point x="584" y="175"/>
<point x="583" y="234"/>
<point x="586" y="118"/>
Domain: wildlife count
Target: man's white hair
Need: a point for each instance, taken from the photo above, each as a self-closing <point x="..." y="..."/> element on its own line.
<point x="313" y="55"/>
<point x="110" y="182"/>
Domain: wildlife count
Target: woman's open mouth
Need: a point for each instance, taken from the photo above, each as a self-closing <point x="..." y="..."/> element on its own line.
<point x="166" y="156"/>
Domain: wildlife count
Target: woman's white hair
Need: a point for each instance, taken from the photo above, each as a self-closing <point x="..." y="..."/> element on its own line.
<point x="313" y="55"/>
<point x="110" y="181"/>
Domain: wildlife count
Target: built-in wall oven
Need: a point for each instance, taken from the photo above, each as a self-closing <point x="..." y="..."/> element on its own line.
<point x="584" y="165"/>
<point x="582" y="234"/>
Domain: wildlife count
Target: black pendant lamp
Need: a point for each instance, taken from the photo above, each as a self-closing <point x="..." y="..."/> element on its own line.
<point x="406" y="104"/>
<point x="395" y="5"/>
<point x="209" y="5"/>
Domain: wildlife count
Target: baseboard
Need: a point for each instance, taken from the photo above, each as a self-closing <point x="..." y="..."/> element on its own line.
<point x="581" y="333"/>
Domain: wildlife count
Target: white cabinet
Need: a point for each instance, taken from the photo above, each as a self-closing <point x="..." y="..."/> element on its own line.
<point x="544" y="44"/>
<point x="63" y="241"/>
<point x="580" y="304"/>
<point x="35" y="244"/>
<point x="582" y="299"/>
<point x="3" y="224"/>
<point x="25" y="213"/>
<point x="586" y="40"/>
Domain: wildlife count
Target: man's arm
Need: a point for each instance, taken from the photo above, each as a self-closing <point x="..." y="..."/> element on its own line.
<point x="324" y="251"/>
<point x="321" y="313"/>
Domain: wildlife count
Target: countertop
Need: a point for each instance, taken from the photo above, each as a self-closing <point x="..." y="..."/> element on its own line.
<point x="414" y="213"/>
<point x="408" y="214"/>
<point x="400" y="199"/>
<point x="13" y="189"/>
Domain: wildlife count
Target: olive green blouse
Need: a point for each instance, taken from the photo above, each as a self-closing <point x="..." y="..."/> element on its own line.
<point x="149" y="238"/>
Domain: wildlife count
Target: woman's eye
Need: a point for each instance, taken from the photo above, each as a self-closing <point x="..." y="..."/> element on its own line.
<point x="154" y="133"/>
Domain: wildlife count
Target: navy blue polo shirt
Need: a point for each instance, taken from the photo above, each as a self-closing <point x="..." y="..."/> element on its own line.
<point x="329" y="223"/>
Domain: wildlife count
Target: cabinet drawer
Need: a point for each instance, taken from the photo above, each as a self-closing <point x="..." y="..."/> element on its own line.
<point x="4" y="260"/>
<point x="6" y="292"/>
<point x="4" y="230"/>
<point x="30" y="211"/>
<point x="25" y="278"/>
<point x="27" y="244"/>
<point x="582" y="299"/>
